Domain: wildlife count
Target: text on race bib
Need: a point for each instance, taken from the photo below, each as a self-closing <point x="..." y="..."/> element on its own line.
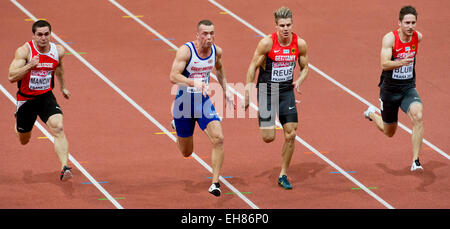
<point x="282" y="71"/>
<point x="40" y="79"/>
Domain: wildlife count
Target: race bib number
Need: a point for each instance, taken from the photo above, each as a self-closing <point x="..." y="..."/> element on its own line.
<point x="404" y="72"/>
<point x="40" y="79"/>
<point x="203" y="77"/>
<point x="282" y="71"/>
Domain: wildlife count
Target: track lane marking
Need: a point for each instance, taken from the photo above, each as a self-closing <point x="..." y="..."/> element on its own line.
<point x="438" y="150"/>
<point x="134" y="104"/>
<point x="195" y="156"/>
<point x="71" y="158"/>
<point x="256" y="108"/>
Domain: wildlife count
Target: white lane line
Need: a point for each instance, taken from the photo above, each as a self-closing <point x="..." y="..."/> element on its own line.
<point x="72" y="159"/>
<point x="328" y="77"/>
<point x="230" y="186"/>
<point x="256" y="107"/>
<point x="134" y="104"/>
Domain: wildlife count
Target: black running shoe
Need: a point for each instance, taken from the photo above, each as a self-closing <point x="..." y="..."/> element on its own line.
<point x="66" y="173"/>
<point x="215" y="189"/>
<point x="283" y="182"/>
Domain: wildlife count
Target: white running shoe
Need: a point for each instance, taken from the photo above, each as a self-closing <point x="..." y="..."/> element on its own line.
<point x="66" y="173"/>
<point x="214" y="189"/>
<point x="369" y="111"/>
<point x="173" y="124"/>
<point x="416" y="166"/>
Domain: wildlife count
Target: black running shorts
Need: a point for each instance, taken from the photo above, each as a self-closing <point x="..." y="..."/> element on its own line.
<point x="391" y="101"/>
<point x="285" y="107"/>
<point x="44" y="106"/>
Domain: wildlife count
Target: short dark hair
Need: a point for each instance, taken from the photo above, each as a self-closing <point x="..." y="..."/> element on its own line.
<point x="204" y="22"/>
<point x="407" y="10"/>
<point x="39" y="24"/>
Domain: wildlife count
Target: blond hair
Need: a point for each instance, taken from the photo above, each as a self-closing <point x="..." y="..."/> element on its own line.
<point x="282" y="13"/>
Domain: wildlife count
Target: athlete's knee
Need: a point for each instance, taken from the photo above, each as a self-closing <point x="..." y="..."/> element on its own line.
<point x="268" y="138"/>
<point x="389" y="130"/>
<point x="186" y="153"/>
<point x="415" y="113"/>
<point x="217" y="140"/>
<point x="416" y="117"/>
<point x="24" y="138"/>
<point x="56" y="125"/>
<point x="390" y="133"/>
<point x="290" y="136"/>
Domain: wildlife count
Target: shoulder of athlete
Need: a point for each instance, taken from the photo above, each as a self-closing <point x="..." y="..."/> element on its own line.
<point x="388" y="40"/>
<point x="61" y="51"/>
<point x="183" y="53"/>
<point x="22" y="52"/>
<point x="302" y="46"/>
<point x="265" y="45"/>
<point x="218" y="51"/>
<point x="419" y="35"/>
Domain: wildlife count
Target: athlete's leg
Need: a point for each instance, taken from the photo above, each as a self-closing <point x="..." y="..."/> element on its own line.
<point x="415" y="114"/>
<point x="214" y="132"/>
<point x="24" y="138"/>
<point x="186" y="145"/>
<point x="61" y="145"/>
<point x="289" y="130"/>
<point x="267" y="133"/>
<point x="25" y="119"/>
<point x="387" y="129"/>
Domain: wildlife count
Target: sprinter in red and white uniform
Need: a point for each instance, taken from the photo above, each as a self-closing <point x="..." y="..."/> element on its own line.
<point x="398" y="82"/>
<point x="276" y="56"/>
<point x="34" y="68"/>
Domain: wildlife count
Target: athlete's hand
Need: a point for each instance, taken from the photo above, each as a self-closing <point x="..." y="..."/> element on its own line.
<point x="407" y="61"/>
<point x="246" y="99"/>
<point x="230" y="99"/>
<point x="296" y="85"/>
<point x="34" y="61"/>
<point x="201" y="86"/>
<point x="66" y="93"/>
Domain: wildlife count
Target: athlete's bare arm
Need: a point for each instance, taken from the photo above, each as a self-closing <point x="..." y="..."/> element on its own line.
<point x="262" y="49"/>
<point x="59" y="72"/>
<point x="303" y="63"/>
<point x="386" y="54"/>
<point x="19" y="66"/>
<point x="220" y="73"/>
<point x="178" y="65"/>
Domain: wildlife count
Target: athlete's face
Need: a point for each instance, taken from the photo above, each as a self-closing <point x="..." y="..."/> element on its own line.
<point x="205" y="35"/>
<point x="408" y="24"/>
<point x="284" y="27"/>
<point x="42" y="36"/>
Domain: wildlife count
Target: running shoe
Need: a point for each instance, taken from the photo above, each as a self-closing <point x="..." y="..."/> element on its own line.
<point x="283" y="182"/>
<point x="173" y="124"/>
<point x="66" y="173"/>
<point x="369" y="111"/>
<point x="215" y="189"/>
<point x="416" y="166"/>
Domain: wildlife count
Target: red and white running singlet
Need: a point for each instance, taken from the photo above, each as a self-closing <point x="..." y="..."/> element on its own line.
<point x="40" y="78"/>
<point x="280" y="64"/>
<point x="404" y="76"/>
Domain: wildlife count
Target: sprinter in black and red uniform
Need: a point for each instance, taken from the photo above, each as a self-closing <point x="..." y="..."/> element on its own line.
<point x="276" y="56"/>
<point x="398" y="82"/>
<point x="34" y="67"/>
